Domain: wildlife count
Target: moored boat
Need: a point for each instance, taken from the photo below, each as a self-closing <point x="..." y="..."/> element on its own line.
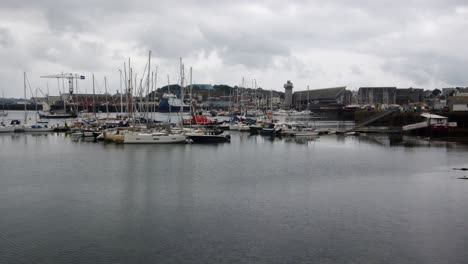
<point x="36" y="128"/>
<point x="54" y="115"/>
<point x="153" y="138"/>
<point x="7" y="129"/>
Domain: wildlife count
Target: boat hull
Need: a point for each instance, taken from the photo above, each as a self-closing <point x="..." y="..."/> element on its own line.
<point x="37" y="130"/>
<point x="57" y="116"/>
<point x="209" y="138"/>
<point x="7" y="129"/>
<point x="153" y="139"/>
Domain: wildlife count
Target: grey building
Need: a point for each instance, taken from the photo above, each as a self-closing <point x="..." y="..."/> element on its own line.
<point x="409" y="95"/>
<point x="320" y="97"/>
<point x="377" y="95"/>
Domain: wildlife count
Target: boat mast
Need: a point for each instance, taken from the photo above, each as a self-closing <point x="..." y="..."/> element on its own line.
<point x="126" y="88"/>
<point x="169" y="99"/>
<point x="181" y="93"/>
<point x="64" y="96"/>
<point x="192" y="113"/>
<point x="308" y="102"/>
<point x="148" y="87"/>
<point x="121" y="103"/>
<point x="155" y="87"/>
<point x="3" y="105"/>
<point x="94" y="100"/>
<point x="25" y="110"/>
<point x="105" y="90"/>
<point x="257" y="102"/>
<point x="271" y="101"/>
<point x="191" y="89"/>
<point x="35" y="101"/>
<point x="241" y="93"/>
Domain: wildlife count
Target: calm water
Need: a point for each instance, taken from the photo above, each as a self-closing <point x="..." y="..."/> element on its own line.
<point x="254" y="200"/>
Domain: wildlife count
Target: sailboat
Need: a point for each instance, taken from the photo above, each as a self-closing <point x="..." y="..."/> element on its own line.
<point x="35" y="127"/>
<point x="157" y="136"/>
<point x="152" y="138"/>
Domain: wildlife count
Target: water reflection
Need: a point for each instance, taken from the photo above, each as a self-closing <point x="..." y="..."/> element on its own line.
<point x="309" y="140"/>
<point x="149" y="203"/>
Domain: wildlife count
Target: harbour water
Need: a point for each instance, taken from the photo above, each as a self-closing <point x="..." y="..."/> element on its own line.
<point x="331" y="199"/>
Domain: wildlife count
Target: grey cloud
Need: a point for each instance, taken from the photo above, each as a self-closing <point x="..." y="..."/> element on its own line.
<point x="355" y="70"/>
<point x="6" y="39"/>
<point x="249" y="49"/>
<point x="95" y="35"/>
<point x="427" y="69"/>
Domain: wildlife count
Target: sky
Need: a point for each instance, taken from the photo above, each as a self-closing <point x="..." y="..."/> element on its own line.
<point x="402" y="43"/>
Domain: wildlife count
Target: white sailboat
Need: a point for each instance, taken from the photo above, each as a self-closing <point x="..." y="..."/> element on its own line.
<point x="153" y="138"/>
<point x="35" y="127"/>
<point x="162" y="136"/>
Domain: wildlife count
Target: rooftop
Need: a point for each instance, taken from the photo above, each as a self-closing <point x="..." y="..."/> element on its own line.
<point x="324" y="93"/>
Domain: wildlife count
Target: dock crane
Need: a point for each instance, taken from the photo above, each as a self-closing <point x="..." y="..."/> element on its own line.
<point x="69" y="76"/>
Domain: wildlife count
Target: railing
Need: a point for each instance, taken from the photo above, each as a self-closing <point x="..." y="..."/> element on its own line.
<point x="373" y="118"/>
<point x="415" y="126"/>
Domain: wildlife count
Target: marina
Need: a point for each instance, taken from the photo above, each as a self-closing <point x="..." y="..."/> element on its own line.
<point x="266" y="132"/>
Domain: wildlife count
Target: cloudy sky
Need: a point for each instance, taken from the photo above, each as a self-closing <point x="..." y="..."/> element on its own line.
<point x="403" y="43"/>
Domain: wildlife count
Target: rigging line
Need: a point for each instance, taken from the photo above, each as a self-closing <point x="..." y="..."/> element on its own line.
<point x="30" y="90"/>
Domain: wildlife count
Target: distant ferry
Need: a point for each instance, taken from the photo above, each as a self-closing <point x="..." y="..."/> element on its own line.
<point x="170" y="103"/>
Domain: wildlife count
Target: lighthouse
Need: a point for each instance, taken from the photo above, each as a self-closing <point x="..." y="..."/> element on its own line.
<point x="288" y="87"/>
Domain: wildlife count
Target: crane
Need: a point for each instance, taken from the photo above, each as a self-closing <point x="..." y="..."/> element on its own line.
<point x="69" y="76"/>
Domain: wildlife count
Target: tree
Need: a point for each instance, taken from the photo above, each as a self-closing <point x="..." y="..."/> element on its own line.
<point x="436" y="92"/>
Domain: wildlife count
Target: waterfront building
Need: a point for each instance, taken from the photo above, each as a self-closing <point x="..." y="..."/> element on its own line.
<point x="377" y="95"/>
<point x="317" y="98"/>
<point x="459" y="101"/>
<point x="405" y="96"/>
